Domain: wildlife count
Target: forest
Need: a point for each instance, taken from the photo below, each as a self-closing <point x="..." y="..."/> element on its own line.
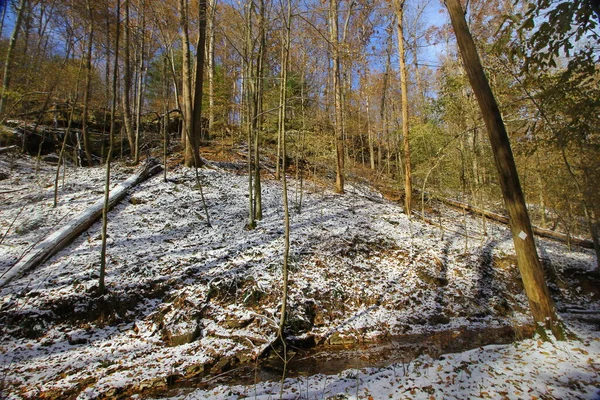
<point x="334" y="199"/>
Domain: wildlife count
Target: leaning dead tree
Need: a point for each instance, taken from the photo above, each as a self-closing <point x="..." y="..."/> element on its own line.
<point x="62" y="237"/>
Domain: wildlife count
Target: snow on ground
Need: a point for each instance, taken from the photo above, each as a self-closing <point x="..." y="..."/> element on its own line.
<point x="529" y="369"/>
<point x="186" y="299"/>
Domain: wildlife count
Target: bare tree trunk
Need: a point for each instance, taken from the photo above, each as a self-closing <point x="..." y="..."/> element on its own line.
<point x="248" y="87"/>
<point x="384" y="132"/>
<point x="140" y="81"/>
<point x="282" y="116"/>
<point x="588" y="213"/>
<point x="127" y="114"/>
<point x="165" y="120"/>
<point x="10" y="55"/>
<point x="61" y="160"/>
<point x="101" y="285"/>
<point x="187" y="131"/>
<point x="197" y="110"/>
<point x="88" y="86"/>
<point x="210" y="26"/>
<point x="370" y="133"/>
<point x="258" y="108"/>
<point x="337" y="88"/>
<point x="282" y="105"/>
<point x="399" y="10"/>
<point x="532" y="274"/>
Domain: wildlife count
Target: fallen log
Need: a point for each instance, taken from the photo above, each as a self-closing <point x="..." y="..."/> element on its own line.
<point x="63" y="236"/>
<point x="7" y="149"/>
<point x="588" y="244"/>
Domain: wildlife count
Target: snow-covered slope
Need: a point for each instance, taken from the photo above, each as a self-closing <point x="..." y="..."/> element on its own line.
<point x="186" y="299"/>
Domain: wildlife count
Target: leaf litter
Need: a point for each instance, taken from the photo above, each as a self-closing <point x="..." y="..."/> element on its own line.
<point x="186" y="300"/>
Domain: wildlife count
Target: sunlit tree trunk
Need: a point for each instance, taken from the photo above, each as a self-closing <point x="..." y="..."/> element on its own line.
<point x="532" y="274"/>
<point x="337" y="89"/>
<point x="399" y="10"/>
<point x="285" y="55"/>
<point x="210" y="52"/>
<point x="187" y="131"/>
<point x="248" y="86"/>
<point x="126" y="84"/>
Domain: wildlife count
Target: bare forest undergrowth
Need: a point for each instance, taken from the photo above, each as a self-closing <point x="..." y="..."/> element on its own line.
<point x="187" y="302"/>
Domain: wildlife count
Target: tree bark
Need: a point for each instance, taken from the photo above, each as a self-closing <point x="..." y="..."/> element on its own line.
<point x="399" y="10"/>
<point x="187" y="131"/>
<point x="197" y="110"/>
<point x="140" y="83"/>
<point x="258" y="109"/>
<point x="210" y="26"/>
<point x="285" y="55"/>
<point x="63" y="236"/>
<point x="532" y="274"/>
<point x="248" y="89"/>
<point x="337" y="89"/>
<point x="126" y="100"/>
<point x="106" y="204"/>
<point x="88" y="85"/>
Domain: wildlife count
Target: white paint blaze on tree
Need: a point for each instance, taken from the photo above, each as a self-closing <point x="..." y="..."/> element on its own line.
<point x="540" y="302"/>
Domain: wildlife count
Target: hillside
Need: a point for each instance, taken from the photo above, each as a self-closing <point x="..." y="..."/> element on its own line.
<point x="188" y="302"/>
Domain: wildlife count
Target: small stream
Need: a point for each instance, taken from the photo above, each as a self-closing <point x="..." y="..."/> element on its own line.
<point x="333" y="359"/>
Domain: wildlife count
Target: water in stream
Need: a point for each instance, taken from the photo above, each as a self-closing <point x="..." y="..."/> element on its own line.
<point x="331" y="360"/>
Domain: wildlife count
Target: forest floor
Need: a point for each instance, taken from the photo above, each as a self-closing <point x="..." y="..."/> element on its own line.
<point x="381" y="306"/>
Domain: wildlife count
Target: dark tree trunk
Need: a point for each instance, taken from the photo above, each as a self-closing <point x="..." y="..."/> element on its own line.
<point x="197" y="110"/>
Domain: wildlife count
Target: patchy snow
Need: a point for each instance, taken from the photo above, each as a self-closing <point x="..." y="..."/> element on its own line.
<point x="529" y="369"/>
<point x="186" y="299"/>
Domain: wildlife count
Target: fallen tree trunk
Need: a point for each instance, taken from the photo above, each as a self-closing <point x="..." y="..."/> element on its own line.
<point x="588" y="244"/>
<point x="63" y="236"/>
<point x="7" y="149"/>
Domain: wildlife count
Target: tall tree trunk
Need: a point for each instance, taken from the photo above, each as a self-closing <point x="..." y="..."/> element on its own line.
<point x="399" y="10"/>
<point x="210" y="26"/>
<point x="140" y="81"/>
<point x="370" y="133"/>
<point x="248" y="86"/>
<point x="337" y="89"/>
<point x="384" y="136"/>
<point x="165" y="119"/>
<point x="187" y="131"/>
<point x="258" y="108"/>
<point x="281" y="104"/>
<point x="587" y="210"/>
<point x="101" y="284"/>
<point x="197" y="110"/>
<point x="10" y="53"/>
<point x="127" y="114"/>
<point x="61" y="155"/>
<point x="285" y="55"/>
<point x="532" y="274"/>
<point x="88" y="85"/>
